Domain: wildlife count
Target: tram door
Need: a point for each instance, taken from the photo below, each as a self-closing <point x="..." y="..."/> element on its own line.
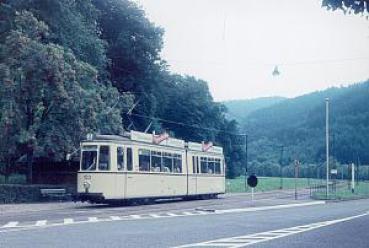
<point x="192" y="177"/>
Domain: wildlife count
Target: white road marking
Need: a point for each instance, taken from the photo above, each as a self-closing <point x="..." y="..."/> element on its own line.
<point x="242" y="241"/>
<point x="239" y="210"/>
<point x="188" y="213"/>
<point x="134" y="216"/>
<point x="11" y="224"/>
<point x="41" y="223"/>
<point x="68" y="221"/>
<point x="115" y="218"/>
<point x="203" y="212"/>
<point x="93" y="219"/>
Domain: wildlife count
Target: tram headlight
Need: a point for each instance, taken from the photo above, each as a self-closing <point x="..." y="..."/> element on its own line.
<point x="86" y="185"/>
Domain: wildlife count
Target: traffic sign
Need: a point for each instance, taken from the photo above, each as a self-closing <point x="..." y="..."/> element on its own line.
<point x="252" y="181"/>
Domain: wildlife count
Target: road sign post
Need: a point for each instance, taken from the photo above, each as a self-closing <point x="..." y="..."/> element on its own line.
<point x="297" y="163"/>
<point x="252" y="181"/>
<point x="352" y="177"/>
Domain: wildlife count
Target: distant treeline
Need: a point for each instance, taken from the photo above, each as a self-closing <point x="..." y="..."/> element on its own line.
<point x="294" y="129"/>
<point x="68" y="68"/>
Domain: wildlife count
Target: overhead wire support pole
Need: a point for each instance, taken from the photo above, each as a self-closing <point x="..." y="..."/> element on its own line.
<point x="246" y="161"/>
<point x="327" y="144"/>
<point x="281" y="167"/>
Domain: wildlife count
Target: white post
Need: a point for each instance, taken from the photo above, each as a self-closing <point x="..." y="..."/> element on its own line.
<point x="252" y="194"/>
<point x="352" y="177"/>
<point x="327" y="142"/>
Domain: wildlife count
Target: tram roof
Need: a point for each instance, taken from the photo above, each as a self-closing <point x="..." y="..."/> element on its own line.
<point x="150" y="139"/>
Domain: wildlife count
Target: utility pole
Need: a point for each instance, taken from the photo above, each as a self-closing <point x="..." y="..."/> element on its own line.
<point x="327" y="143"/>
<point x="352" y="177"/>
<point x="281" y="168"/>
<point x="297" y="163"/>
<point x="357" y="168"/>
<point x="245" y="135"/>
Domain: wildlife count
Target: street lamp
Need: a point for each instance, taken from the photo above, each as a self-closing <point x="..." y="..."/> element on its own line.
<point x="327" y="143"/>
<point x="245" y="135"/>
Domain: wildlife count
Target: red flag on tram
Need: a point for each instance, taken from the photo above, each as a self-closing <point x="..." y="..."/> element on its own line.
<point x="157" y="139"/>
<point x="206" y="146"/>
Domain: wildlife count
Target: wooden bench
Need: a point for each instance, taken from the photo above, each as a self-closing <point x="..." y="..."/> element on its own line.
<point x="60" y="193"/>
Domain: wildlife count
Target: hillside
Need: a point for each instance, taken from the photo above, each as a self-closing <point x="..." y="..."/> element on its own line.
<point x="298" y="124"/>
<point x="240" y="109"/>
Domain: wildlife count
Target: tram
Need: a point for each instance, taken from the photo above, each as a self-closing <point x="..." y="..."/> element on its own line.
<point x="141" y="166"/>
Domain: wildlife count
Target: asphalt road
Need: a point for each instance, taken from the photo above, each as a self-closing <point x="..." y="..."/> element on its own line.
<point x="58" y="211"/>
<point x="341" y="224"/>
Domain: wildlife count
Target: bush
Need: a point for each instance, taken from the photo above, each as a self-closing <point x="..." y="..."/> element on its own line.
<point x="18" y="193"/>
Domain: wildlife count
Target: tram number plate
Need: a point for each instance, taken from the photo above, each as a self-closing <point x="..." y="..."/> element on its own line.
<point x="87" y="177"/>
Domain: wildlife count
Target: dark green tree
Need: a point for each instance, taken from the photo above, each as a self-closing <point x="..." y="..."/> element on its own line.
<point x="348" y="6"/>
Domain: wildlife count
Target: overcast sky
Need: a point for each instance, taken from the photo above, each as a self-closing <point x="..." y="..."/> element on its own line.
<point x="235" y="44"/>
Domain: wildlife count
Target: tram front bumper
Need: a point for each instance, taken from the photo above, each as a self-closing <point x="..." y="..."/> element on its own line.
<point x="91" y="197"/>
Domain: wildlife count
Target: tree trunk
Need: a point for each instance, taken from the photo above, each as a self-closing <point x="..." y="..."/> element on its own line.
<point x="29" y="166"/>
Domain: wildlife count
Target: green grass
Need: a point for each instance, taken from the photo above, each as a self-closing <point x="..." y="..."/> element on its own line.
<point x="268" y="184"/>
<point x="344" y="192"/>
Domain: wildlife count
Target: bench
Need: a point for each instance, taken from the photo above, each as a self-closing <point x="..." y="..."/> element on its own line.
<point x="60" y="194"/>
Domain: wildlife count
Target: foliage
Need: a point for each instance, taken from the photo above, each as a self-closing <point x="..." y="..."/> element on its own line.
<point x="70" y="67"/>
<point x="357" y="6"/>
<point x="298" y="125"/>
<point x="240" y="109"/>
<point x="50" y="99"/>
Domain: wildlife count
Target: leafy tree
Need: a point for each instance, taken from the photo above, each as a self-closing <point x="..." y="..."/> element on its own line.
<point x="52" y="99"/>
<point x="68" y="67"/>
<point x="357" y="6"/>
<point x="71" y="24"/>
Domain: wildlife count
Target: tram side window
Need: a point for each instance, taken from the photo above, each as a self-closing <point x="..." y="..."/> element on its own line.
<point x="144" y="159"/>
<point x="89" y="159"/>
<point x="217" y="167"/>
<point x="167" y="162"/>
<point x="120" y="158"/>
<point x="204" y="165"/>
<point x="211" y="169"/>
<point x="104" y="163"/>
<point x="177" y="163"/>
<point x="155" y="161"/>
<point x="194" y="165"/>
<point x="129" y="159"/>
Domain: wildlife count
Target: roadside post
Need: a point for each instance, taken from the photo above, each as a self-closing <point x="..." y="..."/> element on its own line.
<point x="334" y="173"/>
<point x="353" y="178"/>
<point x="297" y="164"/>
<point x="252" y="181"/>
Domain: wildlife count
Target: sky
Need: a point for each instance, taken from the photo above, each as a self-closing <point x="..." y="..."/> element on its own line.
<point x="235" y="45"/>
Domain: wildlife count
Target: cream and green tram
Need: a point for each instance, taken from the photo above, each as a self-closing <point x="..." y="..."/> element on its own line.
<point x="140" y="166"/>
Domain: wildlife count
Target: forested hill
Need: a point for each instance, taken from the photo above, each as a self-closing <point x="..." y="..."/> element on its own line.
<point x="68" y="68"/>
<point x="298" y="124"/>
<point x="240" y="109"/>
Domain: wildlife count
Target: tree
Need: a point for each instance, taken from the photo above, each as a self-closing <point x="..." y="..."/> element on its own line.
<point x="357" y="6"/>
<point x="68" y="67"/>
<point x="51" y="98"/>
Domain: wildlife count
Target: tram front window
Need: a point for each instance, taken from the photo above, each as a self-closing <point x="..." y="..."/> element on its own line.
<point x="89" y="159"/>
<point x="104" y="160"/>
